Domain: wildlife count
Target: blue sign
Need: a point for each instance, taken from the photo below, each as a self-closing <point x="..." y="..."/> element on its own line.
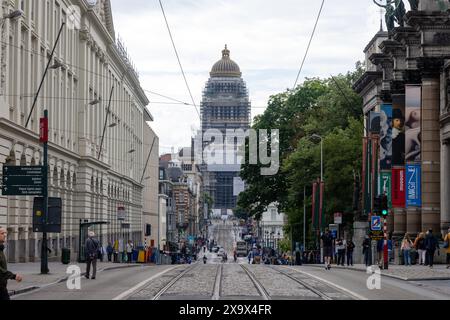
<point x="375" y="223"/>
<point x="334" y="234"/>
<point x="413" y="186"/>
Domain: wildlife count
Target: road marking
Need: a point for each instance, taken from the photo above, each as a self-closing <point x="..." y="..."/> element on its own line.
<point x="356" y="295"/>
<point x="141" y="284"/>
<point x="216" y="294"/>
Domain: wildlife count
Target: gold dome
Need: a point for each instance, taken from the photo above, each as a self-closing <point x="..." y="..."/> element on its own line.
<point x="226" y="67"/>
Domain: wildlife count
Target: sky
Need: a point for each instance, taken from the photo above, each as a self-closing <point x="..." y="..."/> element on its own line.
<point x="267" y="39"/>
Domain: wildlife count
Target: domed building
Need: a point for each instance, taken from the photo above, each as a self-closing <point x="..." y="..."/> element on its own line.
<point x="225" y="106"/>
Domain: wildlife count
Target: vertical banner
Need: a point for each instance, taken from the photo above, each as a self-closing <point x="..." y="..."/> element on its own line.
<point x="385" y="186"/>
<point x="314" y="204"/>
<point x="364" y="177"/>
<point x="398" y="188"/>
<point x="375" y="169"/>
<point x="413" y="186"/>
<point x="412" y="123"/>
<point x="386" y="137"/>
<point x="322" y="221"/>
<point x="398" y="131"/>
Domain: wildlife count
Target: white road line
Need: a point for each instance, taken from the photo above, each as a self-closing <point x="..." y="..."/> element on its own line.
<point x="141" y="284"/>
<point x="356" y="295"/>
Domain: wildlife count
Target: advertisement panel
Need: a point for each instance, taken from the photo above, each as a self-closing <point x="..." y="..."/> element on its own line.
<point x="398" y="188"/>
<point x="374" y="124"/>
<point x="386" y="137"/>
<point x="413" y="188"/>
<point x="412" y="123"/>
<point x="385" y="186"/>
<point x="398" y="131"/>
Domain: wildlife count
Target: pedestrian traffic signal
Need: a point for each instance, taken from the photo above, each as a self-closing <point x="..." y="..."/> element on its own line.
<point x="384" y="205"/>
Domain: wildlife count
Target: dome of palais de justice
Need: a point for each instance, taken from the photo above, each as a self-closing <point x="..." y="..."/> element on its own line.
<point x="226" y="67"/>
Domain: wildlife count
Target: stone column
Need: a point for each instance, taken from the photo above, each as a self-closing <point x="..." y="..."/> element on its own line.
<point x="430" y="153"/>
<point x="445" y="184"/>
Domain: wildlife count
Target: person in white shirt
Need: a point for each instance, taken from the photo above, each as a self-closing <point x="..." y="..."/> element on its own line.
<point x="129" y="250"/>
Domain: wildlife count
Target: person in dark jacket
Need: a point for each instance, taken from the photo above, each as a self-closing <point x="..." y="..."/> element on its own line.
<point x="5" y="275"/>
<point x="109" y="251"/>
<point x="350" y="248"/>
<point x="431" y="244"/>
<point x="367" y="251"/>
<point x="91" y="246"/>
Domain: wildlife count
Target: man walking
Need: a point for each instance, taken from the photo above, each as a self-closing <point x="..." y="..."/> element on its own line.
<point x="367" y="251"/>
<point x="350" y="248"/>
<point x="327" y="244"/>
<point x="431" y="245"/>
<point x="129" y="250"/>
<point x="5" y="275"/>
<point x="109" y="251"/>
<point x="91" y="246"/>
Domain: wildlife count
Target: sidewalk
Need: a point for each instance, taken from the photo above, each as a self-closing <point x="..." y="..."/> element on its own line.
<point x="412" y="273"/>
<point x="32" y="279"/>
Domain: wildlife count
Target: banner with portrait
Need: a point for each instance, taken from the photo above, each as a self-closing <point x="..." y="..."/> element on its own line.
<point x="413" y="114"/>
<point x="398" y="188"/>
<point x="386" y="137"/>
<point x="398" y="130"/>
<point x="374" y="122"/>
<point x="413" y="186"/>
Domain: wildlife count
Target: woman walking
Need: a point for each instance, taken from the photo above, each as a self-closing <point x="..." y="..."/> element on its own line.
<point x="406" y="248"/>
<point x="419" y="244"/>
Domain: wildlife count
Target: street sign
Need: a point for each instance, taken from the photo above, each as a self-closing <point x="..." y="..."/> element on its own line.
<point x="22" y="190"/>
<point x="334" y="230"/>
<point x="23" y="181"/>
<point x="338" y="218"/>
<point x="375" y="223"/>
<point x="121" y="215"/>
<point x="54" y="216"/>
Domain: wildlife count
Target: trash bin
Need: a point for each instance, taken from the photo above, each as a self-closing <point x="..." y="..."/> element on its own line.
<point x="65" y="256"/>
<point x="134" y="255"/>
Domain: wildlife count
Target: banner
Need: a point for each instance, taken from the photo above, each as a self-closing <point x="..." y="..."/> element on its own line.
<point x="398" y="131"/>
<point x="322" y="221"/>
<point x="412" y="123"/>
<point x="413" y="188"/>
<point x="385" y="186"/>
<point x="386" y="137"/>
<point x="398" y="188"/>
<point x="314" y="205"/>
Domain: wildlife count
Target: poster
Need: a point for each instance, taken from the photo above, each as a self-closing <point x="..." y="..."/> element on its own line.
<point x="412" y="123"/>
<point x="398" y="188"/>
<point x="398" y="131"/>
<point x="386" y="137"/>
<point x="374" y="122"/>
<point x="385" y="186"/>
<point x="413" y="187"/>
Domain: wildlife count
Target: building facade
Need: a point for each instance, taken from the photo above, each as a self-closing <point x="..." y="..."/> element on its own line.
<point x="407" y="73"/>
<point x="272" y="223"/>
<point x="225" y="106"/>
<point x="93" y="180"/>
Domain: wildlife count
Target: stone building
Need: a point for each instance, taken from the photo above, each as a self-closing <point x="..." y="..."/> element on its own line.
<point x="225" y="106"/>
<point x="415" y="56"/>
<point x="88" y="63"/>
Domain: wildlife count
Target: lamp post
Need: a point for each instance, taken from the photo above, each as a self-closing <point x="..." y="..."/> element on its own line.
<point x="316" y="136"/>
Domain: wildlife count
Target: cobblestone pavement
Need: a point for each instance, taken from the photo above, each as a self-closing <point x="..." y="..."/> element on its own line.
<point x="199" y="282"/>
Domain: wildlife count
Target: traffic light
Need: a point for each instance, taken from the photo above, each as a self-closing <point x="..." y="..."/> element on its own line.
<point x="384" y="205"/>
<point x="377" y="205"/>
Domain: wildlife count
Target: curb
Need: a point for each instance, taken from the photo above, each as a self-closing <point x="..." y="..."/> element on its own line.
<point x="33" y="288"/>
<point x="388" y="275"/>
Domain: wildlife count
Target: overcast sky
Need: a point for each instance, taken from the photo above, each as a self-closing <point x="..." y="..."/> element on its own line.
<point x="267" y="38"/>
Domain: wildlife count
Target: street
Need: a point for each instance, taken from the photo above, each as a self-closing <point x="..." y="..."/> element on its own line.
<point x="216" y="280"/>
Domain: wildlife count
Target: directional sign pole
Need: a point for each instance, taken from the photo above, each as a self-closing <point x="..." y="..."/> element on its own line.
<point x="44" y="140"/>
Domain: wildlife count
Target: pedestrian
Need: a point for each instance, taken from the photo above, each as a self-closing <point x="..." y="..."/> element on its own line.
<point x="380" y="251"/>
<point x="367" y="251"/>
<point x="431" y="245"/>
<point x="406" y="249"/>
<point x="298" y="260"/>
<point x="447" y="246"/>
<point x="129" y="251"/>
<point x="419" y="244"/>
<point x="341" y="252"/>
<point x="5" y="275"/>
<point x="327" y="244"/>
<point x="350" y="248"/>
<point x="92" y="247"/>
<point x="109" y="251"/>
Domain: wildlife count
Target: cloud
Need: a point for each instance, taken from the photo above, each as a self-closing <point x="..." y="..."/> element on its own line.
<point x="267" y="39"/>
